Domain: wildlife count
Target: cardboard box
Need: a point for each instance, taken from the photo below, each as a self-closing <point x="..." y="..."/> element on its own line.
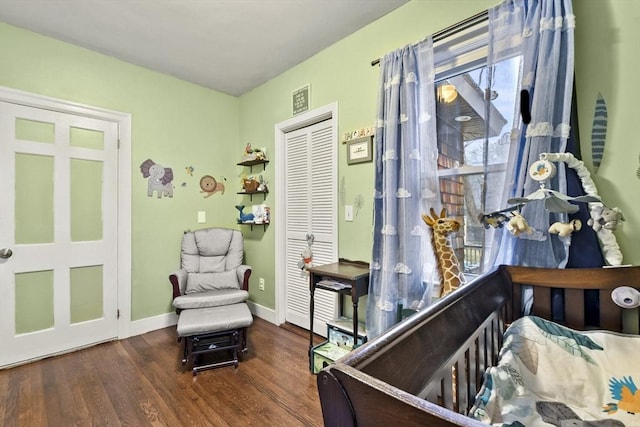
<point x="326" y="353"/>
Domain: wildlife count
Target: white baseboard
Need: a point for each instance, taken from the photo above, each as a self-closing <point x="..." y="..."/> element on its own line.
<point x="149" y="324"/>
<point x="161" y="321"/>
<point x="262" y="312"/>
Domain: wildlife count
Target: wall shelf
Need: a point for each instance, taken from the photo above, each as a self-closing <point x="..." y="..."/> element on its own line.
<point x="264" y="224"/>
<point x="252" y="163"/>
<point x="253" y="184"/>
<point x="251" y="193"/>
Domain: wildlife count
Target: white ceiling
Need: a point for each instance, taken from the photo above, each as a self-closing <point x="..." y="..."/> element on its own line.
<point x="231" y="46"/>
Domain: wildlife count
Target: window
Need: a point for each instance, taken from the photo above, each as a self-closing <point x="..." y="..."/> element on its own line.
<point x="475" y="108"/>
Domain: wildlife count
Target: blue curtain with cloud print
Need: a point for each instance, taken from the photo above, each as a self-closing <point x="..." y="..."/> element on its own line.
<point x="541" y="31"/>
<point x="406" y="185"/>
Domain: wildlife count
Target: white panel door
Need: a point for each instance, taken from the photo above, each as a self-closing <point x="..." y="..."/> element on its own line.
<point x="311" y="195"/>
<point x="58" y="217"/>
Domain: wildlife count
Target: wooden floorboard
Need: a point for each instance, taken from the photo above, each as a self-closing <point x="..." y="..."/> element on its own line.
<point x="140" y="381"/>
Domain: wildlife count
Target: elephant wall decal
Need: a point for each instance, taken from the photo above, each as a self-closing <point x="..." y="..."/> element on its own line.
<point x="159" y="178"/>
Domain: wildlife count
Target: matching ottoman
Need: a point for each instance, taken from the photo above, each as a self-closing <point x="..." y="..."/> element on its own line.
<point x="214" y="330"/>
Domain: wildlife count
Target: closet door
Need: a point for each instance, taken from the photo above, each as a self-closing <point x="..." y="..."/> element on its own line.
<point x="311" y="208"/>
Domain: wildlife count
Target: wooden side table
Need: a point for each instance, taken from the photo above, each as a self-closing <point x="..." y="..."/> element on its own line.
<point x="354" y="274"/>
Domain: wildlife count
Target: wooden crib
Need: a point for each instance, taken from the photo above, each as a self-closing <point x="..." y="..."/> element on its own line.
<point x="426" y="370"/>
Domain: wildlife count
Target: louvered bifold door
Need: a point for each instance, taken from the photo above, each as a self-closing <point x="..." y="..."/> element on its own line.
<point x="311" y="185"/>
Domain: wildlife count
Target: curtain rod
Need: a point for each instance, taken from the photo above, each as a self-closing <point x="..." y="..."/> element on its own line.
<point x="453" y="29"/>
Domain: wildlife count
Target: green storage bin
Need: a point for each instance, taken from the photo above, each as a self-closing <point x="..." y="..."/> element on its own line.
<point x="326" y="353"/>
<point x="339" y="332"/>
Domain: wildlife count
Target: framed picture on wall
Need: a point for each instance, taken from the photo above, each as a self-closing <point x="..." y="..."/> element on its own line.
<point x="301" y="99"/>
<point x="360" y="150"/>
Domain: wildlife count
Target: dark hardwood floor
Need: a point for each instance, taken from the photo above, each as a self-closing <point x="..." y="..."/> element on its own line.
<point x="140" y="381"/>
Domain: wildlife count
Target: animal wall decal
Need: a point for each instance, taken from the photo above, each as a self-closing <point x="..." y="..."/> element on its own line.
<point x="159" y="178"/>
<point x="599" y="132"/>
<point x="210" y="186"/>
<point x="358" y="203"/>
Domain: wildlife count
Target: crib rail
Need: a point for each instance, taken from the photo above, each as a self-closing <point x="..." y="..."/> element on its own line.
<point x="427" y="370"/>
<point x="456" y="383"/>
<point x="561" y="295"/>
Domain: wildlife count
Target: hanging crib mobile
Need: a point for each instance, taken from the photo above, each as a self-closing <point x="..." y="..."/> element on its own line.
<point x="603" y="219"/>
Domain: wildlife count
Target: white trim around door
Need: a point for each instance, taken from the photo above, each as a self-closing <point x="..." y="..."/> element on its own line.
<point x="123" y="120"/>
<point x="328" y="112"/>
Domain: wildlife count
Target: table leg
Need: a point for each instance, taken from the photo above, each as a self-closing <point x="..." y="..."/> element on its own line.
<point x="355" y="322"/>
<point x="312" y="289"/>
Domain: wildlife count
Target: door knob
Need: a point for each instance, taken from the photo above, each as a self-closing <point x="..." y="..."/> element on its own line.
<point x="5" y="253"/>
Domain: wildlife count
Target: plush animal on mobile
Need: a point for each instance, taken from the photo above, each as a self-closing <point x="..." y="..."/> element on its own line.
<point x="159" y="178"/>
<point x="564" y="229"/>
<point x="603" y="217"/>
<point x="517" y="224"/>
<point x="494" y="219"/>
<point x="497" y="219"/>
<point x="448" y="265"/>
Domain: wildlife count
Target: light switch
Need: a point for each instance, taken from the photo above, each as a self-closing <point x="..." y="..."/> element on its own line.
<point x="348" y="213"/>
<point x="202" y="217"/>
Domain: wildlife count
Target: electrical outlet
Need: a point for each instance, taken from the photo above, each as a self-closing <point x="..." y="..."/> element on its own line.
<point x="261" y="284"/>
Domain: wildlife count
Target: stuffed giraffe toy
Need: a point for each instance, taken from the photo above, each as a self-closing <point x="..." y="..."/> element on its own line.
<point x="448" y="266"/>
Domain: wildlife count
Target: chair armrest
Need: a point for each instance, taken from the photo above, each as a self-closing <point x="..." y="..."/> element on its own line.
<point x="244" y="272"/>
<point x="178" y="280"/>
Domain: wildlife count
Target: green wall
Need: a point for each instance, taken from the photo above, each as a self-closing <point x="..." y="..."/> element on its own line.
<point x="175" y="123"/>
<point x="179" y="124"/>
<point x="607" y="35"/>
<point x="341" y="73"/>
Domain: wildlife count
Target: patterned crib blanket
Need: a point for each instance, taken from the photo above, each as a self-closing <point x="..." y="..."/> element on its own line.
<point x="550" y="375"/>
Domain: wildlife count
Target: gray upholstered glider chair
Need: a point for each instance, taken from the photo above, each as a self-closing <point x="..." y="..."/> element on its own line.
<point x="211" y="272"/>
